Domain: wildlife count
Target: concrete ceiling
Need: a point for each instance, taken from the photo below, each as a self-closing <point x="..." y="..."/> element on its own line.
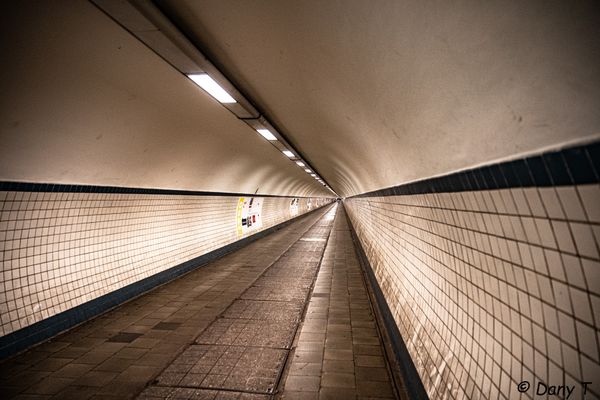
<point x="373" y="94"/>
<point x="84" y="102"/>
<point x="378" y="93"/>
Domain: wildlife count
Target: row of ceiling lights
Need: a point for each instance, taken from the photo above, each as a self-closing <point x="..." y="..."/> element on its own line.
<point x="217" y="92"/>
<point x="148" y="23"/>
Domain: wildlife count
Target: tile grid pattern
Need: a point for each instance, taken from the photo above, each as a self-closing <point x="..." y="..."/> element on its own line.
<point x="490" y="288"/>
<point x="62" y="249"/>
<point x="115" y="355"/>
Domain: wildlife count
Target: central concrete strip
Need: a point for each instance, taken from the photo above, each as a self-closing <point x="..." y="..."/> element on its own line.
<point x="241" y="355"/>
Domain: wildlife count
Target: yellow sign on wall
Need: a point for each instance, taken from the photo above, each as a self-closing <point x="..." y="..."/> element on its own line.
<point x="238" y="216"/>
<point x="249" y="215"/>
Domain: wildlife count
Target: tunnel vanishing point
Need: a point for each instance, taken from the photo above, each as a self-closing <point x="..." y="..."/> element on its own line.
<point x="220" y="199"/>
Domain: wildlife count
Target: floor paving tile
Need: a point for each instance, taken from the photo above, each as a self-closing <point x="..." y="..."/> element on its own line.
<point x="72" y="370"/>
<point x="293" y="395"/>
<point x="32" y="397"/>
<point x="371" y="374"/>
<point x="338" y="366"/>
<point x="369" y="361"/>
<point x="76" y="393"/>
<point x="302" y="383"/>
<point x="244" y="332"/>
<point x="306" y="369"/>
<point x="239" y="368"/>
<point x="337" y="393"/>
<point x="51" y="385"/>
<point x="51" y="364"/>
<point x="95" y="378"/>
<point x="337" y="354"/>
<point x="338" y="379"/>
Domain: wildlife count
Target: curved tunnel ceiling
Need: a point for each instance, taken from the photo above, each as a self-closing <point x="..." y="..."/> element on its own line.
<point x="84" y="102"/>
<point x="375" y="94"/>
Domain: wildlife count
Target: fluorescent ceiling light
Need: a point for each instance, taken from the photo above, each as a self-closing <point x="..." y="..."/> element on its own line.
<point x="266" y="134"/>
<point x="313" y="175"/>
<point x="208" y="84"/>
<point x="300" y="163"/>
<point x="307" y="170"/>
<point x="288" y="153"/>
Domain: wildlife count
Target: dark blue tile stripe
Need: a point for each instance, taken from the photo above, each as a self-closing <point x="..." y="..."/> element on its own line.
<point x="576" y="165"/>
<point x="49" y="327"/>
<point x="409" y="375"/>
<point x="62" y="188"/>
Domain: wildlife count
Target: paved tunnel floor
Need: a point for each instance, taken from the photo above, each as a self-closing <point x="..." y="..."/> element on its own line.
<point x="287" y="316"/>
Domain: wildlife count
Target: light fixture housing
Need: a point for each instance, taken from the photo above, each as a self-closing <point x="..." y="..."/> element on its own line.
<point x="212" y="87"/>
<point x="288" y="153"/>
<point x="266" y="134"/>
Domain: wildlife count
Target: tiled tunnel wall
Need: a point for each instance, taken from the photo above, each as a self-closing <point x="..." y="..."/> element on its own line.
<point x="61" y="249"/>
<point x="493" y="275"/>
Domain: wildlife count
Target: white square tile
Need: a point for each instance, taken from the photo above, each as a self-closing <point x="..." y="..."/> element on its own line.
<point x="572" y="265"/>
<point x="581" y="305"/>
<point x="563" y="236"/>
<point x="571" y="361"/>
<point x="551" y="319"/>
<point x="486" y="201"/>
<point x="554" y="353"/>
<point x="570" y="203"/>
<point x="545" y="231"/>
<point x="545" y="289"/>
<point x="596" y="231"/>
<point x="498" y="202"/>
<point x="590" y="369"/>
<point x="509" y="201"/>
<point x="591" y="271"/>
<point x="531" y="230"/>
<point x="551" y="202"/>
<point x="590" y="196"/>
<point x="584" y="239"/>
<point x="518" y="228"/>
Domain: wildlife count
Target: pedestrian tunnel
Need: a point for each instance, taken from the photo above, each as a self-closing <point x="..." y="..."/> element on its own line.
<point x="299" y="200"/>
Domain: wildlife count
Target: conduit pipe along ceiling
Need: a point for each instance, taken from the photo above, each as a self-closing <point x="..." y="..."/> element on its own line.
<point x="147" y="23"/>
